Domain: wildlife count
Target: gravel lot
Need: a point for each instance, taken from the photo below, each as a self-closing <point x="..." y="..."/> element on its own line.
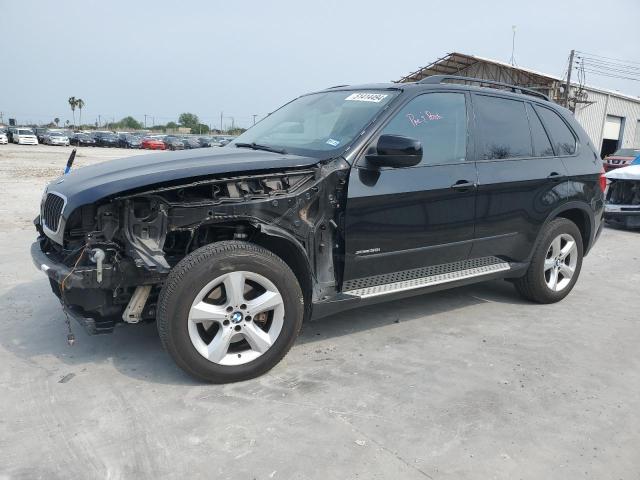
<point x="468" y="383"/>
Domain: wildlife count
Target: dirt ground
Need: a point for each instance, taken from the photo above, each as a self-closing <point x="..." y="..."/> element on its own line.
<point x="470" y="383"/>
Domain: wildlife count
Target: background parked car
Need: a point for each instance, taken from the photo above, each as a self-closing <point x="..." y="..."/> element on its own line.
<point x="620" y="158"/>
<point x="622" y="207"/>
<point x="173" y="143"/>
<point x="127" y="140"/>
<point x="56" y="138"/>
<point x="205" y="141"/>
<point x="40" y="133"/>
<point x="107" y="140"/>
<point x="24" y="136"/>
<point x="153" y="143"/>
<point x="191" y="142"/>
<point x="3" y="138"/>
<point x="82" y="140"/>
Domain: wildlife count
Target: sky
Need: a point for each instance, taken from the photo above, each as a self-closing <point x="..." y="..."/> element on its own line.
<point x="162" y="58"/>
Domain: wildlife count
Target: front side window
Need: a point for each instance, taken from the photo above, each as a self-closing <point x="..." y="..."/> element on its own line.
<point x="319" y="124"/>
<point x="503" y="128"/>
<point x="439" y="122"/>
<point x="564" y="142"/>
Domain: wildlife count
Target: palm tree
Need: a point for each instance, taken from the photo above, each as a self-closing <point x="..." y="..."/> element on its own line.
<point x="72" y="103"/>
<point x="80" y="105"/>
<point x="56" y="121"/>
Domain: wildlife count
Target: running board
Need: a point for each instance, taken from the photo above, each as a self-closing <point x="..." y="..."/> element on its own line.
<point x="424" y="277"/>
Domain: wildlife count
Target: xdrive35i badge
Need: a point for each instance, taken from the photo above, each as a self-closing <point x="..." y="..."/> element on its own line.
<point x="368" y="251"/>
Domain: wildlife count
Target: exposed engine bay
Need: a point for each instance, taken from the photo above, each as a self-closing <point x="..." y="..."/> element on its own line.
<point x="622" y="206"/>
<point x="624" y="192"/>
<point x="123" y="247"/>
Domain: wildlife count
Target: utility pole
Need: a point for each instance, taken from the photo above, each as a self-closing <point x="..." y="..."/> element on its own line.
<point x="99" y="122"/>
<point x="568" y="85"/>
<point x="145" y="121"/>
<point x="254" y="118"/>
<point x="221" y="114"/>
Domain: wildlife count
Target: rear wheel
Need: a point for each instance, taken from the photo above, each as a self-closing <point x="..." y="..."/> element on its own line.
<point x="230" y="311"/>
<point x="555" y="265"/>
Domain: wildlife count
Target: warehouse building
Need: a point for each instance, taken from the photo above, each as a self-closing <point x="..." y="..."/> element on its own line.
<point x="611" y="119"/>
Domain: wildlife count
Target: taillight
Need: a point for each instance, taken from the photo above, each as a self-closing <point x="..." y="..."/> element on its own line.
<point x="603" y="181"/>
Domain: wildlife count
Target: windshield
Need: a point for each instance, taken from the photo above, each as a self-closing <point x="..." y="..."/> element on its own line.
<point x="25" y="132"/>
<point x="318" y="124"/>
<point x="627" y="152"/>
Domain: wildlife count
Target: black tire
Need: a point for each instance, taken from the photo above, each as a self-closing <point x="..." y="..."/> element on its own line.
<point x="532" y="285"/>
<point x="191" y="275"/>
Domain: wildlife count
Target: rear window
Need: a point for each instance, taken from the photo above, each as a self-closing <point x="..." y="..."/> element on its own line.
<point x="541" y="143"/>
<point x="503" y="128"/>
<point x="25" y="132"/>
<point x="564" y="143"/>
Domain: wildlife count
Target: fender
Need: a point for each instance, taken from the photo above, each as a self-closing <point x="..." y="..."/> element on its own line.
<point x="585" y="208"/>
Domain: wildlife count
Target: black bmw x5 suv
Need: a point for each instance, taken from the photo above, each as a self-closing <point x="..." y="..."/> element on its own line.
<point x="340" y="198"/>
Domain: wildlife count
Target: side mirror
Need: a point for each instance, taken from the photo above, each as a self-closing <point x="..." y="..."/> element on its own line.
<point x="396" y="151"/>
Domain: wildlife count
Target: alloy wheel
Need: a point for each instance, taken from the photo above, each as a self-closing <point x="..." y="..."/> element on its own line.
<point x="236" y="318"/>
<point x="560" y="262"/>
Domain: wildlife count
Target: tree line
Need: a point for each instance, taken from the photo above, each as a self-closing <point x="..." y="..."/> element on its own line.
<point x="185" y="120"/>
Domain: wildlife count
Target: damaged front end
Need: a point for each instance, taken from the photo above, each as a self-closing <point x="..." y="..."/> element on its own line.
<point x="106" y="261"/>
<point x="622" y="207"/>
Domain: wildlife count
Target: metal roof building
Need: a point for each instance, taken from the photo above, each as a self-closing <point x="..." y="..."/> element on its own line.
<point x="611" y="118"/>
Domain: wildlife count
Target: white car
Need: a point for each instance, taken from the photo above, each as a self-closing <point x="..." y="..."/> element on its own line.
<point x="3" y="138"/>
<point x="622" y="207"/>
<point x="24" y="136"/>
<point x="56" y="138"/>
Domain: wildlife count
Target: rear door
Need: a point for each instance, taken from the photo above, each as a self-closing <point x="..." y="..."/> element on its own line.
<point x="404" y="218"/>
<point x="520" y="178"/>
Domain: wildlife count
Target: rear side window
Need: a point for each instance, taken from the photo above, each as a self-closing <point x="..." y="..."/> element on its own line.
<point x="439" y="121"/>
<point x="564" y="142"/>
<point x="541" y="143"/>
<point x="503" y="128"/>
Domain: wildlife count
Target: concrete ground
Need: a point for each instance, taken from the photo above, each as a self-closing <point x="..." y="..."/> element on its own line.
<point x="471" y="383"/>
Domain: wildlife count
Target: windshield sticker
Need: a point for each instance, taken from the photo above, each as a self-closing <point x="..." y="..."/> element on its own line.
<point x="423" y="117"/>
<point x="332" y="142"/>
<point x="367" y="97"/>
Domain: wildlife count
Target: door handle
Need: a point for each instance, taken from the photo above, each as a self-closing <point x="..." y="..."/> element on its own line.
<point x="463" y="185"/>
<point x="555" y="177"/>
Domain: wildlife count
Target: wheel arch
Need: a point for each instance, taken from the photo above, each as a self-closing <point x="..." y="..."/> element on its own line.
<point x="582" y="216"/>
<point x="280" y="243"/>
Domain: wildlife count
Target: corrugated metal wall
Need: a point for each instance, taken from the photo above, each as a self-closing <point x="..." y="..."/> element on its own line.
<point x="592" y="117"/>
<point x="628" y="110"/>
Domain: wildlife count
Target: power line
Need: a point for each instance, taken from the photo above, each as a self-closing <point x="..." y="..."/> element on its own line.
<point x="609" y="64"/>
<point x="613" y="68"/>
<point x="608" y="58"/>
<point x="603" y="74"/>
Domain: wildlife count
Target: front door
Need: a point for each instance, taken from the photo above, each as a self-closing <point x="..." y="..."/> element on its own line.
<point x="404" y="218"/>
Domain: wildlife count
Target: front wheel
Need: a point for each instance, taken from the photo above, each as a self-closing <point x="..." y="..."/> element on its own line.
<point x="555" y="265"/>
<point x="229" y="311"/>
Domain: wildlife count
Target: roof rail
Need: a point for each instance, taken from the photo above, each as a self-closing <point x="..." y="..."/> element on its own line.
<point x="337" y="86"/>
<point x="436" y="79"/>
